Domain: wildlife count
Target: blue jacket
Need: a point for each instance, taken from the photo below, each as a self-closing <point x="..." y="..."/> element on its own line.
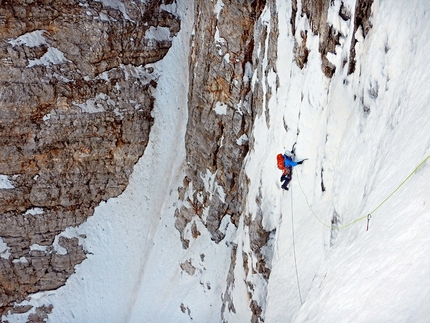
<point x="288" y="162"/>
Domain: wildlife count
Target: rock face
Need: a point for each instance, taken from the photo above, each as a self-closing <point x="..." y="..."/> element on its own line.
<point x="75" y="114"/>
<point x="220" y="109"/>
<point x="228" y="48"/>
<point x="316" y="12"/>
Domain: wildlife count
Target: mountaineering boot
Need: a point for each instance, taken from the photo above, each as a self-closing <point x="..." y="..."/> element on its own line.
<point x="283" y="177"/>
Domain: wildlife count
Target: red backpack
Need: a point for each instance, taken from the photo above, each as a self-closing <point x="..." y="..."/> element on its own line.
<point x="280" y="160"/>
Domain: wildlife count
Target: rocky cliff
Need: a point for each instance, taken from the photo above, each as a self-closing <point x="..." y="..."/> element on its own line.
<point x="76" y="96"/>
<point x="227" y="49"/>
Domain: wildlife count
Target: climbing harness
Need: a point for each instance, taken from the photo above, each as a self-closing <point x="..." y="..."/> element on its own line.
<point x="294" y="247"/>
<point x="369" y="215"/>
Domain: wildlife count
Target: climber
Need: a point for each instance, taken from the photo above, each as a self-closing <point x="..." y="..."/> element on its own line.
<point x="286" y="164"/>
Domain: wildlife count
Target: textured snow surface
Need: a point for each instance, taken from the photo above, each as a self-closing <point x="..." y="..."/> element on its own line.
<point x="350" y="275"/>
<point x="363" y="135"/>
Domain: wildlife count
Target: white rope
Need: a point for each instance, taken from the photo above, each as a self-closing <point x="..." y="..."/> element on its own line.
<point x="294" y="247"/>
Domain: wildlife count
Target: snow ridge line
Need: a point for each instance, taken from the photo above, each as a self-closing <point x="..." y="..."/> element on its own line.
<point x="367" y="216"/>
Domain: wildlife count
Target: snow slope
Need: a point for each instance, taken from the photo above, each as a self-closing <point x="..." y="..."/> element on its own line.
<point x="350" y="275"/>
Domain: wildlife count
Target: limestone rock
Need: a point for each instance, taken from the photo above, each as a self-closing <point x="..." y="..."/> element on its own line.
<point x="316" y="12"/>
<point x="227" y="52"/>
<point x="220" y="108"/>
<point x="76" y="98"/>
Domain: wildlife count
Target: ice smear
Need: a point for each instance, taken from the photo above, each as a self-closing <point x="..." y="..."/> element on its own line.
<point x="218" y="7"/>
<point x="93" y="105"/>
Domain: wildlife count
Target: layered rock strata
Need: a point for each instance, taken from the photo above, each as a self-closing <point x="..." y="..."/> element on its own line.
<point x="76" y="94"/>
<point x="227" y="51"/>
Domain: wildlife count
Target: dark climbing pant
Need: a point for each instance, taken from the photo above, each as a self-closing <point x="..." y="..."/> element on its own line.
<point x="286" y="179"/>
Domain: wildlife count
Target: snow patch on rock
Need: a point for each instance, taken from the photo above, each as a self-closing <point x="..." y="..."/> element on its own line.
<point x="5" y="183"/>
<point x="52" y="56"/>
<point x="159" y="33"/>
<point x="31" y="39"/>
<point x="4" y="249"/>
<point x="34" y="211"/>
<point x="220" y="108"/>
<point x="116" y="4"/>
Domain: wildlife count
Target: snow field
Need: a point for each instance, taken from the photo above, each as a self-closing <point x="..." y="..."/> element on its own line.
<point x="358" y="276"/>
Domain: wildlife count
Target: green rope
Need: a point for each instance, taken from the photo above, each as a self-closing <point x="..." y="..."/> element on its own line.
<point x="410" y="175"/>
<point x="374" y="210"/>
